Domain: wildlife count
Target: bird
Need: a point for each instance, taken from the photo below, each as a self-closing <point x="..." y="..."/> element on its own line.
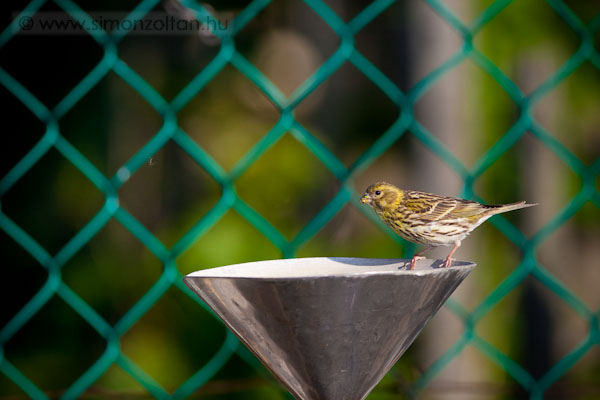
<point x="430" y="219"/>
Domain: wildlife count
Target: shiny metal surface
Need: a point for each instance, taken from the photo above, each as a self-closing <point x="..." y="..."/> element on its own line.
<point x="328" y="328"/>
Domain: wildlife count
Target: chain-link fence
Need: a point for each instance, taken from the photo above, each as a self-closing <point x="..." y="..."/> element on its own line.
<point x="170" y="132"/>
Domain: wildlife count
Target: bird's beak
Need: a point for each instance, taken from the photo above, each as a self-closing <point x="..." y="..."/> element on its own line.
<point x="366" y="199"/>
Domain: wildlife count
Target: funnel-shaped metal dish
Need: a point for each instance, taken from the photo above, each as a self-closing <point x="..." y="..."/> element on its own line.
<point x="328" y="328"/>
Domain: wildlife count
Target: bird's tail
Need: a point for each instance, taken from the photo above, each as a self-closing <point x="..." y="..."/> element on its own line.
<point x="501" y="208"/>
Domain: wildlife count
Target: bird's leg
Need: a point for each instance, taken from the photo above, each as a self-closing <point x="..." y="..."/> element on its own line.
<point x="449" y="259"/>
<point x="417" y="256"/>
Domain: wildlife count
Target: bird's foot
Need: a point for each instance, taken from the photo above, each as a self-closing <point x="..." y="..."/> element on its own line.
<point x="448" y="262"/>
<point x="413" y="262"/>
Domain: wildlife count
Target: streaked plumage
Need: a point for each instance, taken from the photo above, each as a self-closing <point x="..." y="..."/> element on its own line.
<point x="430" y="219"/>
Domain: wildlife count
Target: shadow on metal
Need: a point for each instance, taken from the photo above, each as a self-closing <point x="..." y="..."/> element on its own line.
<point x="328" y="328"/>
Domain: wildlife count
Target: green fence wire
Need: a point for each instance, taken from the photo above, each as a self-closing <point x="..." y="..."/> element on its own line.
<point x="170" y="131"/>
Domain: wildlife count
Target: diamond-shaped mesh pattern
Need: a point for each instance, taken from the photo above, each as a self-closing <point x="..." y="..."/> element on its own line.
<point x="170" y="131"/>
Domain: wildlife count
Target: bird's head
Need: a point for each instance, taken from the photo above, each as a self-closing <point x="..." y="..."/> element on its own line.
<point x="382" y="195"/>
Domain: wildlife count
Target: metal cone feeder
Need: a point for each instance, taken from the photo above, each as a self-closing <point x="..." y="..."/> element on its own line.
<point x="328" y="328"/>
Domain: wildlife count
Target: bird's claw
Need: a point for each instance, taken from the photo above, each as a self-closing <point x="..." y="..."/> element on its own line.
<point x="448" y="262"/>
<point x="413" y="262"/>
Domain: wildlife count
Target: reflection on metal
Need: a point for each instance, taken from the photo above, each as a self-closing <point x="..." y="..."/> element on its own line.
<point x="328" y="328"/>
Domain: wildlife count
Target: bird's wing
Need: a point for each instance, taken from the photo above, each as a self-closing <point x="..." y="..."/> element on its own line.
<point x="468" y="209"/>
<point x="430" y="207"/>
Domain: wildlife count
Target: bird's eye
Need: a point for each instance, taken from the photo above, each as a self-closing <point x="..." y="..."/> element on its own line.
<point x="377" y="192"/>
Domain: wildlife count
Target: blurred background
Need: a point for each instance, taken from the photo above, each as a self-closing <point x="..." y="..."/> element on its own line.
<point x="471" y="73"/>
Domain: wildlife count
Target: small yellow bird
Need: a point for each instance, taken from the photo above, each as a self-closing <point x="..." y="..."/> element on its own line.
<point x="430" y="219"/>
